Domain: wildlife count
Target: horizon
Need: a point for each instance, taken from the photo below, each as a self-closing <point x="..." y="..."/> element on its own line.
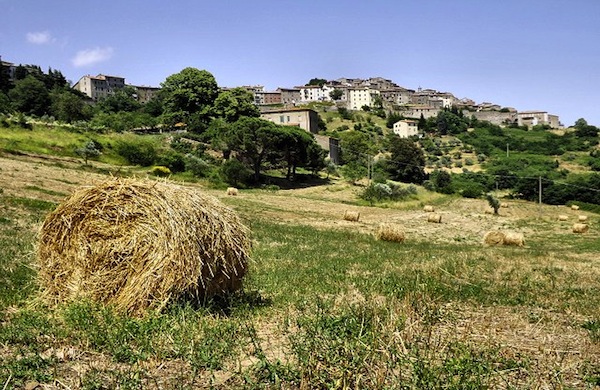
<point x="535" y="55"/>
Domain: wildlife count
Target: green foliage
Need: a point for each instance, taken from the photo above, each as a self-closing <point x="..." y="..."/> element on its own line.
<point x="189" y="96"/>
<point x="235" y="103"/>
<point x="440" y="181"/>
<point x="493" y="202"/>
<point x="160" y="171"/>
<point x="234" y="172"/>
<point x="449" y="122"/>
<point x="123" y="99"/>
<point x="391" y="119"/>
<point x="137" y="152"/>
<point x="390" y="191"/>
<point x="90" y="150"/>
<point x="317" y="81"/>
<point x="345" y="113"/>
<point x="68" y="107"/>
<point x="198" y="166"/>
<point x="30" y="96"/>
<point x="353" y="171"/>
<point x="336" y="94"/>
<point x="406" y="162"/>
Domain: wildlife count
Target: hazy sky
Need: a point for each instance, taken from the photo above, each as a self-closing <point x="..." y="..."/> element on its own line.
<point x="527" y="54"/>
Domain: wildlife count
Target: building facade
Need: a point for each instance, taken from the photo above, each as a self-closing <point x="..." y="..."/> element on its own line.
<point x="406" y="128"/>
<point x="532" y="118"/>
<point x="99" y="87"/>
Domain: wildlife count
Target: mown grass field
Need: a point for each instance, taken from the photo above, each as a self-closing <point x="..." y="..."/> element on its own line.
<point x="325" y="305"/>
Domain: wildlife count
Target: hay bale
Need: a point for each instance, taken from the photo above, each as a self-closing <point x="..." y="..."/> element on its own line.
<point x="493" y="237"/>
<point x="351" y="216"/>
<point x="513" y="238"/>
<point x="580" y="228"/>
<point x="434" y="218"/>
<point x="563" y="217"/>
<point x="138" y="245"/>
<point x="582" y="218"/>
<point x="488" y="211"/>
<point x="232" y="191"/>
<point x="428" y="208"/>
<point x="390" y="232"/>
<point x="504" y="205"/>
<point x="574" y="207"/>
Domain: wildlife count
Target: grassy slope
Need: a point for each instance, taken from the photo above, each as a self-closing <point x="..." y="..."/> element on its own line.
<point x="324" y="306"/>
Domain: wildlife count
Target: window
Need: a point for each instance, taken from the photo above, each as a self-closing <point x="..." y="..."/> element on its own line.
<point x="281" y="119"/>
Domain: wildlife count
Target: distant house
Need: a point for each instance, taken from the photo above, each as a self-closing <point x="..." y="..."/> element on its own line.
<point x="532" y="118"/>
<point x="99" y="87"/>
<point x="145" y="93"/>
<point x="290" y="96"/>
<point x="417" y="111"/>
<point x="359" y="97"/>
<point x="304" y="118"/>
<point x="264" y="98"/>
<point x="308" y="120"/>
<point x="9" y="68"/>
<point x="405" y="128"/>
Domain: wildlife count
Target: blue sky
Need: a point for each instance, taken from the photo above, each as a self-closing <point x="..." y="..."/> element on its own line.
<point x="527" y="54"/>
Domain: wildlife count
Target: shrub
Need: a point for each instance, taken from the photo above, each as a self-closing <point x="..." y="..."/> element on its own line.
<point x="472" y="190"/>
<point x="196" y="165"/>
<point x="235" y="173"/>
<point x="172" y="160"/>
<point x="160" y="171"/>
<point x="137" y="152"/>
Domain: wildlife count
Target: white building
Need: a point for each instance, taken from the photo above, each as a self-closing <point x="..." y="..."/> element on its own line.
<point x="405" y="128"/>
<point x="360" y="97"/>
<point x="99" y="87"/>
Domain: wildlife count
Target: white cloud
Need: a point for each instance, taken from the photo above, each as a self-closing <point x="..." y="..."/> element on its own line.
<point x="92" y="56"/>
<point x="39" y="38"/>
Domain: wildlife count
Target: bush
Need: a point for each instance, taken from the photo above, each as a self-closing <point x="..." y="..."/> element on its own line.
<point x="160" y="171"/>
<point x="196" y="165"/>
<point x="235" y="173"/>
<point x="472" y="190"/>
<point x="172" y="160"/>
<point x="137" y="152"/>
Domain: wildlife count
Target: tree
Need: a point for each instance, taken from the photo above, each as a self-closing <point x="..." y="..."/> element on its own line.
<point x="189" y="96"/>
<point x="355" y="146"/>
<point x="88" y="151"/>
<point x="234" y="104"/>
<point x="253" y="139"/>
<point x="336" y="94"/>
<point x="30" y="96"/>
<point x="582" y="129"/>
<point x="493" y="202"/>
<point x="316" y="81"/>
<point x="406" y="162"/>
<point x="67" y="106"/>
<point x="125" y="99"/>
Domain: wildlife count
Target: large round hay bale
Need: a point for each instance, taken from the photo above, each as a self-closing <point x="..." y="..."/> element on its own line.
<point x="493" y="237"/>
<point x="434" y="218"/>
<point x="513" y="238"/>
<point x="428" y="208"/>
<point x="582" y="218"/>
<point x="574" y="207"/>
<point x="504" y="205"/>
<point x="390" y="232"/>
<point x="563" y="217"/>
<point x="138" y="245"/>
<point x="352" y="216"/>
<point x="580" y="228"/>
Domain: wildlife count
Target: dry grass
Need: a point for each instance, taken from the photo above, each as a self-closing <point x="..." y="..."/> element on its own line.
<point x="140" y="244"/>
<point x="390" y="232"/>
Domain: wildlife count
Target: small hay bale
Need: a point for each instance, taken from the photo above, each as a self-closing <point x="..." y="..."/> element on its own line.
<point x="574" y="207"/>
<point x="488" y="211"/>
<point x="513" y="238"/>
<point x="493" y="237"/>
<point x="351" y="216"/>
<point x="138" y="245"/>
<point x="504" y="205"/>
<point x="563" y="217"/>
<point x="428" y="208"/>
<point x="434" y="218"/>
<point x="582" y="218"/>
<point x="390" y="232"/>
<point x="232" y="191"/>
<point x="580" y="228"/>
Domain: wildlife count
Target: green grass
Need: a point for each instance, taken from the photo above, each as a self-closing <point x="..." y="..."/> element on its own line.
<point x="347" y="311"/>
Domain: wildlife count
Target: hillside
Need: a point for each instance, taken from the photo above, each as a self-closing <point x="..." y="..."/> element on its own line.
<point x="324" y="301"/>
